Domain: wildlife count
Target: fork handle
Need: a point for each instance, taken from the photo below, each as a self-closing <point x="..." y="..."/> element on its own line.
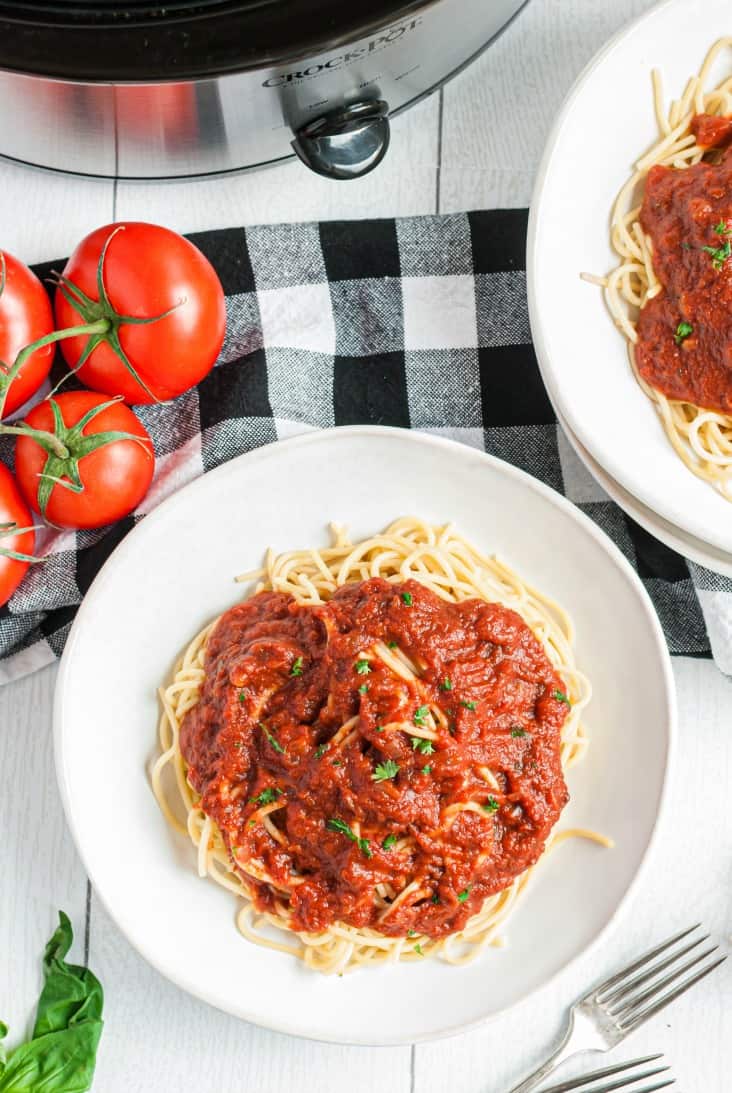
<point x="564" y="1050"/>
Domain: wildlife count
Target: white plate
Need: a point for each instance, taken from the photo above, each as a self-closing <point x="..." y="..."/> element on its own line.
<point x="174" y="572"/>
<point x="686" y="545"/>
<point x="605" y="124"/>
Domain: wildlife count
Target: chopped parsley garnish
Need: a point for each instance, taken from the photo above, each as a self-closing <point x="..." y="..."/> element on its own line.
<point x="423" y="746"/>
<point x="723" y="228"/>
<point x="468" y="705"/>
<point x="491" y="805"/>
<point x="517" y="730"/>
<point x="407" y="598"/>
<point x="391" y="644"/>
<point x="379" y="728"/>
<point x="362" y="667"/>
<point x="683" y="330"/>
<point x="426" y="770"/>
<point x="343" y="829"/>
<point x="385" y="771"/>
<point x="296" y="669"/>
<point x="388" y="842"/>
<point x="242" y="696"/>
<point x="446" y="684"/>
<point x="363" y="688"/>
<point x="561" y="697"/>
<point x="420" y="715"/>
<point x="435" y="898"/>
<point x="275" y="743"/>
<point x="719" y="254"/>
<point x="411" y="933"/>
<point x="266" y="797"/>
<point x="462" y="896"/>
<point x="418" y="950"/>
<point x="320" y="751"/>
<point x="336" y="763"/>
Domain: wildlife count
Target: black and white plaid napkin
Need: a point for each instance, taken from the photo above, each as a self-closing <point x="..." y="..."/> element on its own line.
<point x="417" y="322"/>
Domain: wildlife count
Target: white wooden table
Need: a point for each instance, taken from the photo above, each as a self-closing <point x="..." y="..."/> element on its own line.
<point x="475" y="145"/>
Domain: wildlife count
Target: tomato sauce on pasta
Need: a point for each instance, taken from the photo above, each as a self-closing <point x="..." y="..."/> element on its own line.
<point x="684" y="347"/>
<point x="387" y="759"/>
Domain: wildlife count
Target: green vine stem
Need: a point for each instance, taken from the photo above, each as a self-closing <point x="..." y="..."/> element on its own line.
<point x="9" y="373"/>
<point x="8" y="531"/>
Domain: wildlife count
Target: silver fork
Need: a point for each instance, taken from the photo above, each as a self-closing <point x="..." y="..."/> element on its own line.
<point x="619" y="1083"/>
<point x="611" y="1011"/>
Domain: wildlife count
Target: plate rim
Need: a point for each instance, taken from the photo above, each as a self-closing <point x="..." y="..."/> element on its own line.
<point x="688" y="546"/>
<point x="332" y="435"/>
<point x="671" y="513"/>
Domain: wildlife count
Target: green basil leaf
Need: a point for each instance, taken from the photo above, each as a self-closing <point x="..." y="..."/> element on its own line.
<point x="70" y="994"/>
<point x="61" y="1056"/>
<point x="59" y="1062"/>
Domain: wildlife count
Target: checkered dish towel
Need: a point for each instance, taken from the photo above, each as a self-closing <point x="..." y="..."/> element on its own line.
<point x="420" y="323"/>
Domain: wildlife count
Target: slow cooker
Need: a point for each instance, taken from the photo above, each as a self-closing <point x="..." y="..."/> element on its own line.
<point x="193" y="87"/>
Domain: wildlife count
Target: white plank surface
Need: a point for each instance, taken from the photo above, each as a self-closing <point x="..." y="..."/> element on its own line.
<point x="40" y="868"/>
<point x="497" y="113"/>
<point x="476" y="146"/>
<point x="43" y="215"/>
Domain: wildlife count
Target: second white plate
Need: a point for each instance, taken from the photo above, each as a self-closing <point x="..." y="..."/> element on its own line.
<point x="606" y="123"/>
<point x="685" y="545"/>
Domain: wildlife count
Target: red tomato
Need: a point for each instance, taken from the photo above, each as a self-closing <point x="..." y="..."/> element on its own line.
<point x="13" y="510"/>
<point x="115" y="477"/>
<point x="148" y="270"/>
<point x="25" y="316"/>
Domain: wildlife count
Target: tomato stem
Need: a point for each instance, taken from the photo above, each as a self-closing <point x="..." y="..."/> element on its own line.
<point x="13" y="531"/>
<point x="101" y="326"/>
<point x="48" y="441"/>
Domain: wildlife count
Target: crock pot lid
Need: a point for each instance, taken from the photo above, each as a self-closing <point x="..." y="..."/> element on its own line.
<point x="180" y="39"/>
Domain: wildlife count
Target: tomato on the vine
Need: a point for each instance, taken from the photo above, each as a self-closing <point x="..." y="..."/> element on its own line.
<point x="25" y="316"/>
<point x="158" y="306"/>
<point x="83" y="460"/>
<point x="16" y="536"/>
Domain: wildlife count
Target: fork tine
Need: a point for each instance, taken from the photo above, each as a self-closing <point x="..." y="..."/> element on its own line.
<point x="606" y="1072"/>
<point x="647" y="1088"/>
<point x="650" y="1011"/>
<point x="638" y="980"/>
<point x="622" y="1083"/>
<point x="636" y="964"/>
<point x="625" y="1006"/>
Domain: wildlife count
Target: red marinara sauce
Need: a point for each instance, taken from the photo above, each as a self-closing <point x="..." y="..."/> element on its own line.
<point x="281" y="680"/>
<point x="684" y="344"/>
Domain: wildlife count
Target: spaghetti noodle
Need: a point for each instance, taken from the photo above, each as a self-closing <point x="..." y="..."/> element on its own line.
<point x="439" y="560"/>
<point x="702" y="437"/>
